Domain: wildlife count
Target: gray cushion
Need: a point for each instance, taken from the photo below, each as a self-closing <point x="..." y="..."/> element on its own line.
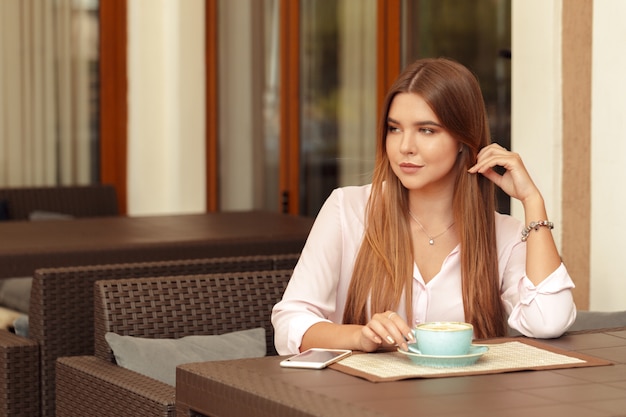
<point x="48" y="215"/>
<point x="591" y="320"/>
<point x="158" y="358"/>
<point x="20" y="325"/>
<point x="15" y="293"/>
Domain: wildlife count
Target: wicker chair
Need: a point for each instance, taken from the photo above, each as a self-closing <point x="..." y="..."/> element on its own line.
<point x="61" y="313"/>
<point x="19" y="376"/>
<point x="202" y="305"/>
<point x="19" y="367"/>
<point x="77" y="201"/>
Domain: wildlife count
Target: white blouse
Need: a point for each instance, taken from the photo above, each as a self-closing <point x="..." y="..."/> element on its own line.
<point x="318" y="288"/>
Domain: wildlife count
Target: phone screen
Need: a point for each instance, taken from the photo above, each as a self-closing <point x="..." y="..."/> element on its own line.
<point x="315" y="358"/>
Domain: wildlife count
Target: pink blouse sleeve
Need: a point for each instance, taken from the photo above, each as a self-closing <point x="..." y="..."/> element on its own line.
<point x="317" y="288"/>
<point x="546" y="310"/>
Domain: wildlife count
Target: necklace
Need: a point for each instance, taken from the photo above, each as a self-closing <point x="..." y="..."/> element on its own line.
<point x="431" y="239"/>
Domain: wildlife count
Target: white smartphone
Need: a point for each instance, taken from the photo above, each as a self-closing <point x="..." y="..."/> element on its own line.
<point x="315" y="358"/>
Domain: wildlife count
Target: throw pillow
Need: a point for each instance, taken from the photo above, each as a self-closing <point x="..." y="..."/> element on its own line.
<point x="158" y="358"/>
<point x="15" y="293"/>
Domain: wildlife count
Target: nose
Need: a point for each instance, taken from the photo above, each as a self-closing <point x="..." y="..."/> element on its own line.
<point x="408" y="145"/>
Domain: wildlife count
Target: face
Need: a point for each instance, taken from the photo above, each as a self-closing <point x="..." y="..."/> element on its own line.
<point x="421" y="152"/>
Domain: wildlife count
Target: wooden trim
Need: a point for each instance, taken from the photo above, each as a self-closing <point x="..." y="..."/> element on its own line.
<point x="388" y="46"/>
<point x="212" y="132"/>
<point x="289" y="179"/>
<point x="577" y="59"/>
<point x="113" y="101"/>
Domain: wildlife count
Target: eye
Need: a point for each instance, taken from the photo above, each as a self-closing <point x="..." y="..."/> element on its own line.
<point x="392" y="129"/>
<point x="426" y="130"/>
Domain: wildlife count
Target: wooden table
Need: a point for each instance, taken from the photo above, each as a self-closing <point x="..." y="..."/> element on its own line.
<point x="28" y="245"/>
<point x="260" y="387"/>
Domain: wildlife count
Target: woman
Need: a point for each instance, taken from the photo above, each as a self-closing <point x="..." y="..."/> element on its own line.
<point x="423" y="241"/>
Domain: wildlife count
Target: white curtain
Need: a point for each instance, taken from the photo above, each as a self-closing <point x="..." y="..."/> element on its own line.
<point x="48" y="92"/>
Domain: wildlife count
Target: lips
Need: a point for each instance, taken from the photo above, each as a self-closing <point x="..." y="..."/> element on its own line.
<point x="410" y="168"/>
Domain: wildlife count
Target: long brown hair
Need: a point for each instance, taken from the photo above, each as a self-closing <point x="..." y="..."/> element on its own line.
<point x="383" y="269"/>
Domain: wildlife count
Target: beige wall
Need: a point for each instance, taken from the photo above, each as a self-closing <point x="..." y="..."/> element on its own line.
<point x="536" y="128"/>
<point x="166" y="112"/>
<point x="608" y="156"/>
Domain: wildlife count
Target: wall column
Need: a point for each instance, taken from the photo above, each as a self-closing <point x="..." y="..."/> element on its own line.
<point x="576" y="202"/>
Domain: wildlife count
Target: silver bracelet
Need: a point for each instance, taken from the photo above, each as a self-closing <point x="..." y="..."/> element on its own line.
<point x="536" y="226"/>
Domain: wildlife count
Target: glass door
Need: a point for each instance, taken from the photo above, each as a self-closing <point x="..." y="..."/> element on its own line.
<point x="337" y="97"/>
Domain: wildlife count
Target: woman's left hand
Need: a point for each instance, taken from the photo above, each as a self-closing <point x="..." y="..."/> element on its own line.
<point x="515" y="181"/>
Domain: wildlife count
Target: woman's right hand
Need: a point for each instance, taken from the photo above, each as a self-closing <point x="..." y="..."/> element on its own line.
<point x="385" y="330"/>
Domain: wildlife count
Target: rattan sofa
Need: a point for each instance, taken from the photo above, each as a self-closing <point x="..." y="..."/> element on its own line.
<point x="97" y="200"/>
<point x="201" y="305"/>
<point x="61" y="320"/>
<point x="19" y="376"/>
<point x="19" y="357"/>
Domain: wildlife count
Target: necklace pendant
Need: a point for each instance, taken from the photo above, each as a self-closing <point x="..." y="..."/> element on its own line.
<point x="431" y="241"/>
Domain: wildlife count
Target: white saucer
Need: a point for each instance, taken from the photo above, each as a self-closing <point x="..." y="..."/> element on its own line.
<point x="475" y="352"/>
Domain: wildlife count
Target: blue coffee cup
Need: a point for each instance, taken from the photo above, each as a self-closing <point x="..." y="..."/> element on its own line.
<point x="443" y="338"/>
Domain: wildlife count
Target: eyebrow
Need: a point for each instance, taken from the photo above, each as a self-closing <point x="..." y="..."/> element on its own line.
<point x="420" y="123"/>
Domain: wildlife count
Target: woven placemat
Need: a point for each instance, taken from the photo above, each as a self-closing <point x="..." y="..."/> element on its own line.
<point x="504" y="355"/>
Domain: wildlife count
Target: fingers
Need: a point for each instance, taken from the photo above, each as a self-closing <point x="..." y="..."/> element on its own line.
<point x="495" y="155"/>
<point x="389" y="329"/>
<point x="515" y="181"/>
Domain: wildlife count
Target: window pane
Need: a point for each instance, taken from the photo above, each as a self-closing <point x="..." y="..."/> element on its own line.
<point x="476" y="33"/>
<point x="249" y="105"/>
<point x="338" y="93"/>
<point x="271" y="105"/>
